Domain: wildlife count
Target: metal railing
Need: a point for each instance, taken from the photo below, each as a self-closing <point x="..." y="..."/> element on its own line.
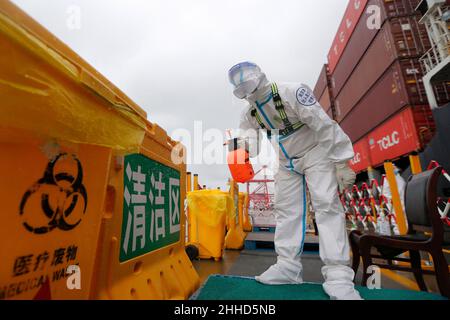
<point x="435" y="56"/>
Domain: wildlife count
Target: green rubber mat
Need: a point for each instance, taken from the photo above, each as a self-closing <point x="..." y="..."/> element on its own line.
<point x="238" y="288"/>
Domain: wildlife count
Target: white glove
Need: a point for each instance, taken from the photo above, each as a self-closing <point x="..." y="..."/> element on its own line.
<point x="346" y="177"/>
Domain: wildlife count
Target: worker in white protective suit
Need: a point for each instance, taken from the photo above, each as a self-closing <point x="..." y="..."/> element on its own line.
<point x="314" y="151"/>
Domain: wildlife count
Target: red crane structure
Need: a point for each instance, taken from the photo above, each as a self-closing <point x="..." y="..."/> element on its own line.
<point x="260" y="197"/>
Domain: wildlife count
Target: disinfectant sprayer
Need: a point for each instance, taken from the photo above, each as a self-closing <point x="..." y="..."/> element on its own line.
<point x="238" y="159"/>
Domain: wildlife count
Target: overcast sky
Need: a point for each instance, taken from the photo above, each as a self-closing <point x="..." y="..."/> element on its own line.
<point x="172" y="56"/>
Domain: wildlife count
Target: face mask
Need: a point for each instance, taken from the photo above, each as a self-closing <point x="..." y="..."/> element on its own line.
<point x="246" y="88"/>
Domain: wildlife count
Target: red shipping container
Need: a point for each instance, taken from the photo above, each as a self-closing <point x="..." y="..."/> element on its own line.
<point x="322" y="82"/>
<point x="330" y="113"/>
<point x="361" y="161"/>
<point x="397" y="137"/>
<point x="327" y="103"/>
<point x="397" y="8"/>
<point x="361" y="39"/>
<point x="401" y="85"/>
<point x="397" y="39"/>
<point x="357" y="45"/>
<point x="352" y="17"/>
<point x="325" y="99"/>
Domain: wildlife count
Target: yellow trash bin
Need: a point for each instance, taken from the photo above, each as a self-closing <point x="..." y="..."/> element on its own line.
<point x="208" y="210"/>
<point x="67" y="136"/>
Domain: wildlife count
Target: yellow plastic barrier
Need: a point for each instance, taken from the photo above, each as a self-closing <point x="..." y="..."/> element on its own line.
<point x="208" y="210"/>
<point x="246" y="223"/>
<point x="69" y="140"/>
<point x="235" y="237"/>
<point x="142" y="250"/>
<point x="51" y="213"/>
<point x="49" y="81"/>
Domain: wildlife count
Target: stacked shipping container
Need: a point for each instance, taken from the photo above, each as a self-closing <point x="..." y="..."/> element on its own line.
<point x="399" y="87"/>
<point x="322" y="90"/>
<point x="400" y="135"/>
<point x="397" y="39"/>
<point x="376" y="80"/>
<point x="364" y="14"/>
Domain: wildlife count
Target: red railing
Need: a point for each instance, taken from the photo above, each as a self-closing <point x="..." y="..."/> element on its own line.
<point x="368" y="206"/>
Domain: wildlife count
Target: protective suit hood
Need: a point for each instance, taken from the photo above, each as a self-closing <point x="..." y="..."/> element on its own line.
<point x="247" y="79"/>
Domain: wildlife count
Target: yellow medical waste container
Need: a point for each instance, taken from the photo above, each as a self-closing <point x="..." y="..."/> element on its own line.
<point x="208" y="210"/>
<point x="69" y="140"/>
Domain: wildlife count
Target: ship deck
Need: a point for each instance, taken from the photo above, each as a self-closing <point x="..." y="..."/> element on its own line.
<point x="238" y="268"/>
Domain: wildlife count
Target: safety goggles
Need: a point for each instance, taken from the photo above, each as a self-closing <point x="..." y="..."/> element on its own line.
<point x="245" y="77"/>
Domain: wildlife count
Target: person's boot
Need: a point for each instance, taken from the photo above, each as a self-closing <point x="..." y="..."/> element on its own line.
<point x="282" y="273"/>
<point x="339" y="284"/>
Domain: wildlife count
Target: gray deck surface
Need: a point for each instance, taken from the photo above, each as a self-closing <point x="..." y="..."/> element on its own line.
<point x="251" y="263"/>
<point x="269" y="237"/>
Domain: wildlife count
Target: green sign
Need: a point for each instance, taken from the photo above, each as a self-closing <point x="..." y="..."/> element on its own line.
<point x="151" y="207"/>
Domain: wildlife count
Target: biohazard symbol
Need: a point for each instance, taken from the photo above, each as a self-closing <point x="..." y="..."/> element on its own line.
<point x="59" y="195"/>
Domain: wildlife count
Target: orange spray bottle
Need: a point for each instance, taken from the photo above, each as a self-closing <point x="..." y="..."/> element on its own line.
<point x="238" y="160"/>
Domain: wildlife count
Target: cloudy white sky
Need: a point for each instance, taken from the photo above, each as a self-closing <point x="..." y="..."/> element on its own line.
<point x="172" y="56"/>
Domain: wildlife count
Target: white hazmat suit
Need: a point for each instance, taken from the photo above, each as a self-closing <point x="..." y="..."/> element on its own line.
<point x="309" y="156"/>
